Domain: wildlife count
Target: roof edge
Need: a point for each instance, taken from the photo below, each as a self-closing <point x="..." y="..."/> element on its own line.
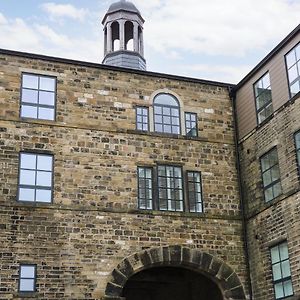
<point x="112" y="68"/>
<point x="121" y="9"/>
<point x="270" y="55"/>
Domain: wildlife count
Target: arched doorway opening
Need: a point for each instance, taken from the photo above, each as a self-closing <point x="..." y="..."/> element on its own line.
<point x="209" y="271"/>
<point x="174" y="283"/>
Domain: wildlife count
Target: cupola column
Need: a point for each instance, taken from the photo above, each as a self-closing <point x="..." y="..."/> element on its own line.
<point x="136" y="47"/>
<point x="109" y="38"/>
<point x="142" y="44"/>
<point x="122" y="34"/>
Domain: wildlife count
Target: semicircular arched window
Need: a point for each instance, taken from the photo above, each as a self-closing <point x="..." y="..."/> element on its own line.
<point x="166" y="114"/>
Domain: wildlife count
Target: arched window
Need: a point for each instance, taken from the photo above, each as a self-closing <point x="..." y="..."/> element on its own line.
<point x="115" y="29"/>
<point x="166" y="114"/>
<point x="129" y="36"/>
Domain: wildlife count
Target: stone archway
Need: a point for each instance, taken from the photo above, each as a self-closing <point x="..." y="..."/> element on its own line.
<point x="176" y="256"/>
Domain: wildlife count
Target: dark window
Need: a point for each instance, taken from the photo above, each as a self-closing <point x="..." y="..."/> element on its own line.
<point x="170" y="188"/>
<point x="270" y="174"/>
<point x="38" y="97"/>
<point x="263" y="98"/>
<point x="27" y="278"/>
<point x="161" y="188"/>
<point x="145" y="188"/>
<point x="191" y="124"/>
<point x="293" y="68"/>
<point x="166" y="114"/>
<point x="281" y="271"/>
<point x="194" y="191"/>
<point x="142" y="118"/>
<point x="297" y="142"/>
<point x="35" y="177"/>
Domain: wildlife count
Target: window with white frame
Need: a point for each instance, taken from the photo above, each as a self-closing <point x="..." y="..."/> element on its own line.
<point x="281" y="271"/>
<point x="35" y="177"/>
<point x="263" y="98"/>
<point x="166" y="114"/>
<point x="38" y="95"/>
<point x="292" y="60"/>
<point x="27" y="278"/>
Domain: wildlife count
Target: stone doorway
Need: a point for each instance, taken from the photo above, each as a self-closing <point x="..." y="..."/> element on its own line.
<point x="174" y="283"/>
<point x="189" y="264"/>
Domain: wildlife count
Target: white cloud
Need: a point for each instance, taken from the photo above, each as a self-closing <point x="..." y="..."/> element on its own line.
<point x="3" y="20"/>
<point x="64" y="11"/>
<point x="224" y="73"/>
<point x="19" y="35"/>
<point x="216" y="27"/>
<point x="53" y="37"/>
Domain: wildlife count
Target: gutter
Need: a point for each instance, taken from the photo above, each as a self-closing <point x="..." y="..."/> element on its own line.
<point x="238" y="167"/>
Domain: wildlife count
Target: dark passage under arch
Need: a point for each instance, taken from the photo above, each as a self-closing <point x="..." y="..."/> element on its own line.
<point x="176" y="283"/>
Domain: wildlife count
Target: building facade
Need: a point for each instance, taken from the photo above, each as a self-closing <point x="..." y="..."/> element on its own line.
<point x="118" y="183"/>
<point x="267" y="109"/>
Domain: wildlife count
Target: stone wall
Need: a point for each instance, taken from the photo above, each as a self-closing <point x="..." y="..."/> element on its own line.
<point x="278" y="220"/>
<point x="93" y="222"/>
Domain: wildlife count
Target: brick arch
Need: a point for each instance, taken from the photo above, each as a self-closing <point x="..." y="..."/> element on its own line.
<point x="177" y="256"/>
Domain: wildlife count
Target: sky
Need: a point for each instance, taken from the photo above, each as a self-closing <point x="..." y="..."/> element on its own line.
<point x="219" y="40"/>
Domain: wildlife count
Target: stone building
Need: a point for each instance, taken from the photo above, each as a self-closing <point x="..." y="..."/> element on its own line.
<point x="119" y="183"/>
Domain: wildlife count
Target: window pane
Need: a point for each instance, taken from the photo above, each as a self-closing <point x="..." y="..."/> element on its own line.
<point x="276" y="189"/>
<point x="269" y="194"/>
<point x="27" y="285"/>
<point x="290" y="59"/>
<point x="175" y="130"/>
<point x="267" y="178"/>
<point x="43" y="196"/>
<point x="167" y="129"/>
<point x="28" y="111"/>
<point x="27" y="271"/>
<point x="26" y="194"/>
<point x="265" y="164"/>
<point x="28" y="161"/>
<point x="27" y="177"/>
<point x="47" y="83"/>
<point x="166" y="111"/>
<point x="167" y="120"/>
<point x="46" y="113"/>
<point x="44" y="162"/>
<point x="44" y="178"/>
<point x="46" y="98"/>
<point x="276" y="271"/>
<point x="266" y="81"/>
<point x="278" y="290"/>
<point x="158" y="128"/>
<point x="165" y="99"/>
<point x="157" y="109"/>
<point x="288" y="288"/>
<point x="283" y="250"/>
<point x="286" y="272"/>
<point x="293" y="74"/>
<point x="30" y="81"/>
<point x="175" y="112"/>
<point x="30" y="96"/>
<point x="275" y="254"/>
<point x="295" y="88"/>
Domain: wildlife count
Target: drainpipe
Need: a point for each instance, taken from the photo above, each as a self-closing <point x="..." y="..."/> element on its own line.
<point x="240" y="183"/>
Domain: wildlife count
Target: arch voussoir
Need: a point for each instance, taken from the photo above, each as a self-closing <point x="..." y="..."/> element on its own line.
<point x="175" y="255"/>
